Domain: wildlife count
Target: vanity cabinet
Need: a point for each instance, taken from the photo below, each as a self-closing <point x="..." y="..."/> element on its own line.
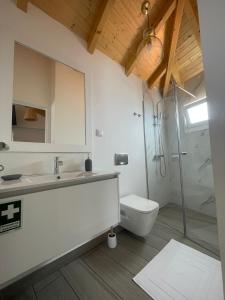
<point x="55" y="222"/>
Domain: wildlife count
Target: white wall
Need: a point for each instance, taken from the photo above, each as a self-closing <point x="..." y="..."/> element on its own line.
<point x="212" y="24"/>
<point x="114" y="99"/>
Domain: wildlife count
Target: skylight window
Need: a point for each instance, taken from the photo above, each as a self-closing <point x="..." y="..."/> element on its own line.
<point x="196" y="114"/>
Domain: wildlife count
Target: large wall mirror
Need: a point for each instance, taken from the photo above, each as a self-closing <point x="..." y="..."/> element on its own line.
<point x="48" y="100"/>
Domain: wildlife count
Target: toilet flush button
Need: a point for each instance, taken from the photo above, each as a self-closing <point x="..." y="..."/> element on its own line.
<point x="121" y="159"/>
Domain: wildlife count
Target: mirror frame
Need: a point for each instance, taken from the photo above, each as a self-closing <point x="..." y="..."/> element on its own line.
<point x="8" y="40"/>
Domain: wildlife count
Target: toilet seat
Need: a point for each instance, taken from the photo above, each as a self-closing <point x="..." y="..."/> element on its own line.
<point x="139" y="204"/>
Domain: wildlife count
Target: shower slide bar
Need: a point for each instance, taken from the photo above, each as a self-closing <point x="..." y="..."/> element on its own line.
<point x="185" y="91"/>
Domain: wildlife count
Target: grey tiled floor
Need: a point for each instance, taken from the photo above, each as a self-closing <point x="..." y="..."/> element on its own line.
<point x="200" y="227"/>
<point x="105" y="274"/>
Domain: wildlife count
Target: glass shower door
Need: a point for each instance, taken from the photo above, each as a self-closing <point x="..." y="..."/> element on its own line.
<point x="197" y="175"/>
<point x="161" y="152"/>
<point x="180" y="177"/>
<point x="172" y="213"/>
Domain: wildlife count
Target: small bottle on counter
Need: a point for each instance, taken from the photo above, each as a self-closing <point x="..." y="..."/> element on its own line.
<point x="88" y="164"/>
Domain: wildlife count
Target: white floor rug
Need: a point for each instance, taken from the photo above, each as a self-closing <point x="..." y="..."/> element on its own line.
<point x="179" y="272"/>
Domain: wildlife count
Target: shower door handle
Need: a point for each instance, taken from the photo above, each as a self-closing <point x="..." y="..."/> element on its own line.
<point x="176" y="155"/>
<point x="183" y="153"/>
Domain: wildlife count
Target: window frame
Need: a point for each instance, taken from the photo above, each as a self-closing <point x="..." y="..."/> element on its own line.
<point x="198" y="125"/>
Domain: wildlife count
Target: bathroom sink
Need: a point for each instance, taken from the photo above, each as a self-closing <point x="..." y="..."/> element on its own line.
<point x="46" y="179"/>
<point x="50" y="181"/>
<point x="87" y="174"/>
<point x="39" y="179"/>
<point x="72" y="175"/>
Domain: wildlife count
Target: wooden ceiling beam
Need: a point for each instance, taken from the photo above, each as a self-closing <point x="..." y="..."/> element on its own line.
<point x="157" y="25"/>
<point x="173" y="45"/>
<point x="176" y="75"/>
<point x="157" y="75"/>
<point x="22" y="4"/>
<point x="99" y="24"/>
<point x="161" y="71"/>
<point x="192" y="16"/>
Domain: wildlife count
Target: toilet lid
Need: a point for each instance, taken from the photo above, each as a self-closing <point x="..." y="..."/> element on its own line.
<point x="139" y="204"/>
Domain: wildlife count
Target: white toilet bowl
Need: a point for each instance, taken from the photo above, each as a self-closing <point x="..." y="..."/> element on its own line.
<point x="138" y="214"/>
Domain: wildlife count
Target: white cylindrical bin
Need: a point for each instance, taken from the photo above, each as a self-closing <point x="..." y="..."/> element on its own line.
<point x="112" y="240"/>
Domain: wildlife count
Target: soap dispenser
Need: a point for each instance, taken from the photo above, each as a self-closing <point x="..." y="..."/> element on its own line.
<point x="88" y="164"/>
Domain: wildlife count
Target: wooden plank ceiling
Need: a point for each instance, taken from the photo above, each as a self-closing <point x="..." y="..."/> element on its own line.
<point x="115" y="27"/>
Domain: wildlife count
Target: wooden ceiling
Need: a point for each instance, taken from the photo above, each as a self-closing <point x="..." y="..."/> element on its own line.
<point x="115" y="27"/>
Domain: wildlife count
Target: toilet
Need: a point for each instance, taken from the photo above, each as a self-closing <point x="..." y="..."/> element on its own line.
<point x="138" y="214"/>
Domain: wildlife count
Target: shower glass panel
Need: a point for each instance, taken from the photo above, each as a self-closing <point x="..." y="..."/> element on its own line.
<point x="162" y="158"/>
<point x="172" y="213"/>
<point x="178" y="160"/>
<point x="197" y="175"/>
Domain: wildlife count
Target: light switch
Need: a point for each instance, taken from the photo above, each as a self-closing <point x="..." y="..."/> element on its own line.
<point x="99" y="132"/>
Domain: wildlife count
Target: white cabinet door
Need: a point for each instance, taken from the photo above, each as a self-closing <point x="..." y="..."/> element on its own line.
<point x="55" y="222"/>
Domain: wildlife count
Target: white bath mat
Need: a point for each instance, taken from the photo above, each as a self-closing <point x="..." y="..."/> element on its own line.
<point x="179" y="272"/>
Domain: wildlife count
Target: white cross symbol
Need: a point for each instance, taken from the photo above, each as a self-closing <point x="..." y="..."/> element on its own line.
<point x="10" y="211"/>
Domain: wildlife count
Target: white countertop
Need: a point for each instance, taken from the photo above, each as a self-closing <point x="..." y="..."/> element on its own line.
<point x="35" y="183"/>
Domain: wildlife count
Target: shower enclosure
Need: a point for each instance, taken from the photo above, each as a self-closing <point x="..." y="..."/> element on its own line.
<point x="181" y="158"/>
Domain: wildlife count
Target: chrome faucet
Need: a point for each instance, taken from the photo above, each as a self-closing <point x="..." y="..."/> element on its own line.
<point x="57" y="164"/>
